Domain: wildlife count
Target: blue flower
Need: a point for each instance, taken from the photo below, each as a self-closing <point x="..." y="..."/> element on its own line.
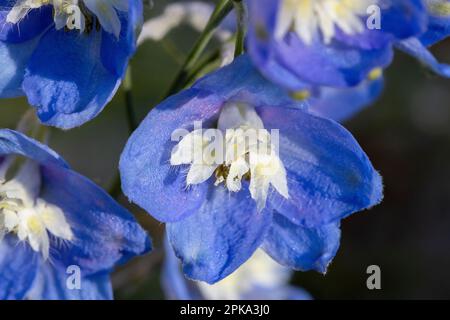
<point x="260" y="278"/>
<point x="289" y="203"/>
<point x="68" y="58"/>
<point x="299" y="44"/>
<point x="438" y="29"/>
<point x="54" y="224"/>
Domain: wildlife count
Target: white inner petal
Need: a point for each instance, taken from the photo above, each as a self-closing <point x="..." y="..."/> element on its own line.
<point x="310" y="19"/>
<point x="81" y="15"/>
<point x="23" y="213"/>
<point x="240" y="149"/>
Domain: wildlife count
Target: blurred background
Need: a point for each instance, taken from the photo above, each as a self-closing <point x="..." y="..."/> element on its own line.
<point x="406" y="134"/>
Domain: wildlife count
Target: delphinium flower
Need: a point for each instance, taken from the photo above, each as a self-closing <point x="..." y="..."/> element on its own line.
<point x="287" y="199"/>
<point x="60" y="234"/>
<point x="260" y="278"/>
<point x="67" y="57"/>
<point x="303" y="43"/>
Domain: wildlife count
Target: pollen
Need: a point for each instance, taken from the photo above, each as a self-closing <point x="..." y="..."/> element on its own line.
<point x="375" y="74"/>
<point x="301" y="95"/>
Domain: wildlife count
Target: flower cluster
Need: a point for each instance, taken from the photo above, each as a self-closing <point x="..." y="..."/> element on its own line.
<point x="268" y="173"/>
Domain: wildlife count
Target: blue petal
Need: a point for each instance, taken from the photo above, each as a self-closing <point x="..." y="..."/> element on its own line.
<point x="438" y="28"/>
<point x="51" y="284"/>
<point x="340" y="104"/>
<point x="241" y="81"/>
<point x="223" y="233"/>
<point x="31" y="26"/>
<point x="17" y="43"/>
<point x="18" y="267"/>
<point x="13" y="142"/>
<point x="416" y="49"/>
<point x="148" y="179"/>
<point x="302" y="248"/>
<point x="336" y="64"/>
<point x="75" y="86"/>
<point x="116" y="53"/>
<point x="105" y="233"/>
<point x="13" y="61"/>
<point x="175" y="285"/>
<point x="329" y="175"/>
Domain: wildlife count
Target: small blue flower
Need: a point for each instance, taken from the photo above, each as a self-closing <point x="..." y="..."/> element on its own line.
<point x="300" y="44"/>
<point x="67" y="57"/>
<point x="260" y="278"/>
<point x="53" y="219"/>
<point x="438" y="29"/>
<point x="289" y="203"/>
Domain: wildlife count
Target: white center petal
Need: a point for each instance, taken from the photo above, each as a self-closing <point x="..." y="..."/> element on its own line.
<point x="83" y="15"/>
<point x="311" y="18"/>
<point x="240" y="149"/>
<point x="23" y="213"/>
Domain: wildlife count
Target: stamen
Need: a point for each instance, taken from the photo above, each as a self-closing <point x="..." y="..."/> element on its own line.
<point x="26" y="215"/>
<point x="76" y="14"/>
<point x="311" y="18"/>
<point x="249" y="155"/>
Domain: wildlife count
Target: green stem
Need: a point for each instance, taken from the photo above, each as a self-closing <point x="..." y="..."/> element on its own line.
<point x="220" y="12"/>
<point x="202" y="65"/>
<point x="129" y="105"/>
<point x="116" y="189"/>
<point x="241" y="27"/>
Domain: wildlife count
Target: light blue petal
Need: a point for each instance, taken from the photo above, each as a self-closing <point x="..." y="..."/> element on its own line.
<point x="223" y="233"/>
<point x="18" y="267"/>
<point x="52" y="284"/>
<point x="241" y="81"/>
<point x="105" y="234"/>
<point x="75" y="86"/>
<point x="116" y="53"/>
<point x="416" y="49"/>
<point x="336" y="64"/>
<point x="302" y="248"/>
<point x="13" y="61"/>
<point x="329" y="175"/>
<point x="175" y="285"/>
<point x="340" y="104"/>
<point x="13" y="142"/>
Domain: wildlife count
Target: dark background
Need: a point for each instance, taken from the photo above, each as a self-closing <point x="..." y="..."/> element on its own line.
<point x="406" y="134"/>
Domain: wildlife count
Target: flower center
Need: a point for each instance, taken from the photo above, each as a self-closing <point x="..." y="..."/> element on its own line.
<point x="82" y="15"/>
<point x="29" y="217"/>
<point x="309" y="17"/>
<point x="239" y="149"/>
